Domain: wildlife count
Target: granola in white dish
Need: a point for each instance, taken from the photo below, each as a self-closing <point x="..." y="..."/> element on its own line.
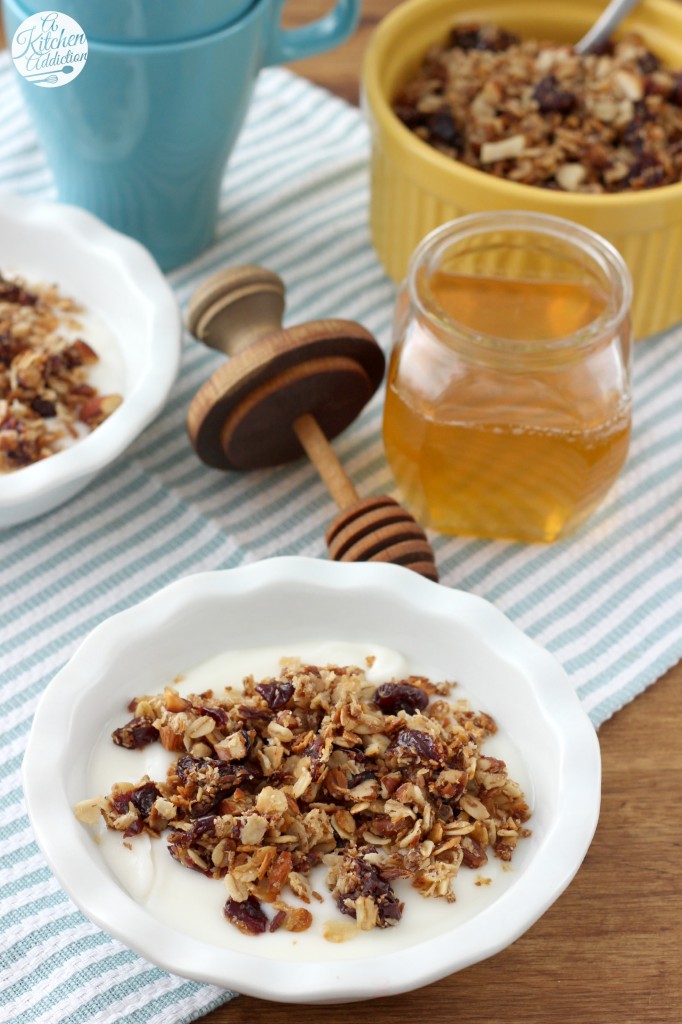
<point x="317" y="766"/>
<point x="46" y="398"/>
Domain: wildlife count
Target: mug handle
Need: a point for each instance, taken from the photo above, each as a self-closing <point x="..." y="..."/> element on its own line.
<point x="285" y="45"/>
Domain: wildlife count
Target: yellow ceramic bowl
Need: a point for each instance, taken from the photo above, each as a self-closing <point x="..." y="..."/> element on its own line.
<point x="415" y="188"/>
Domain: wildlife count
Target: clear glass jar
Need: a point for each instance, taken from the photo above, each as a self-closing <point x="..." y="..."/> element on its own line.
<point x="508" y="403"/>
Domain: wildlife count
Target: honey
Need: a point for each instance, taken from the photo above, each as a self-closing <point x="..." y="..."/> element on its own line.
<point x="517" y="309"/>
<point x="507" y="412"/>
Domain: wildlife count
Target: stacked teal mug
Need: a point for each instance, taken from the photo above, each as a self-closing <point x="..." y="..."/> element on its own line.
<point x="140" y="132"/>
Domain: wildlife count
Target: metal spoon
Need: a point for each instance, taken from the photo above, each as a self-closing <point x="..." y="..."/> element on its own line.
<point x="608" y="20"/>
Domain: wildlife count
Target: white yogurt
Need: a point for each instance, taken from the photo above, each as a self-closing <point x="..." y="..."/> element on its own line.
<point x="108" y="374"/>
<point x="193" y="904"/>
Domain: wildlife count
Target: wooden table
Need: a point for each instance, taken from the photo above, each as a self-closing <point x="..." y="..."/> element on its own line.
<point x="610" y="949"/>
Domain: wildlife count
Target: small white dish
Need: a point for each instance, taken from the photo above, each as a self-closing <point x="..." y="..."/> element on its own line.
<point x="120" y="286"/>
<point x="279" y="602"/>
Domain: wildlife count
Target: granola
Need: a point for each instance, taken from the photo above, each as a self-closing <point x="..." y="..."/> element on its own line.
<point x="319" y="767"/>
<point x="45" y="397"/>
<point x="540" y="114"/>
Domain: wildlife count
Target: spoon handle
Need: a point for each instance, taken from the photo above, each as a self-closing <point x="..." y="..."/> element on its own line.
<point x="608" y="20"/>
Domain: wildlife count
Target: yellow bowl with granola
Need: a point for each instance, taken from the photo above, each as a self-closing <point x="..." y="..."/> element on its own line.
<point x="484" y="106"/>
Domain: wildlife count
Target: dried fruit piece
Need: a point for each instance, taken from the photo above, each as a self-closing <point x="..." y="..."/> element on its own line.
<point x="420" y="745"/>
<point x="144" y="798"/>
<point x="551" y="98"/>
<point x="394" y="697"/>
<point x="247" y="916"/>
<point x="135" y="734"/>
<point x="359" y="880"/>
<point x="277" y="694"/>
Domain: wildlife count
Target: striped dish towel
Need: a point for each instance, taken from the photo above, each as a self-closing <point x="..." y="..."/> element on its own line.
<point x="608" y="603"/>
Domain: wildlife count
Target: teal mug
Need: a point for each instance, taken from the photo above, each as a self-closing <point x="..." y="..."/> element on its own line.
<point x="150" y="21"/>
<point x="142" y="134"/>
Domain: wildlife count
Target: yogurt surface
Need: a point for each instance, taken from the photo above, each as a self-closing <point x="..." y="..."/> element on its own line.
<point x="192" y="904"/>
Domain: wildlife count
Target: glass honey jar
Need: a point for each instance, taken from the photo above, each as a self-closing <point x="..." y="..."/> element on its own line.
<point x="508" y="403"/>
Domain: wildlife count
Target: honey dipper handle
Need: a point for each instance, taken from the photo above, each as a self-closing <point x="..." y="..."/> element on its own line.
<point x="322" y="456"/>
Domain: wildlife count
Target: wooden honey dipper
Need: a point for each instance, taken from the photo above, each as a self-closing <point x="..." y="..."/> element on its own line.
<point x="286" y="392"/>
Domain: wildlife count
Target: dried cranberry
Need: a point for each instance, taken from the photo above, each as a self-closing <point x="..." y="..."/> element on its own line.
<point x="134" y="828"/>
<point x="247" y="915"/>
<point x="410" y="115"/>
<point x="370" y="882"/>
<point x="21" y="456"/>
<point x="253" y="714"/>
<point x="314" y="749"/>
<point x="10" y="291"/>
<point x="217" y="714"/>
<point x="442" y="128"/>
<point x="44" y="407"/>
<point x="276" y="695"/>
<point x="648" y="63"/>
<point x="420" y="745"/>
<point x="198" y="829"/>
<point x="188" y="765"/>
<point x="202" y="826"/>
<point x="473" y="854"/>
<point x="394" y="697"/>
<point x="604" y="49"/>
<point x="355" y="780"/>
<point x="136" y="733"/>
<point x="120" y="801"/>
<point x="198" y="775"/>
<point x="143" y="798"/>
<point x="551" y="98"/>
<point x="648" y="176"/>
<point x="9" y="348"/>
<point x="633" y="138"/>
<point x="675" y="95"/>
<point x="477" y="37"/>
<point x="383" y="825"/>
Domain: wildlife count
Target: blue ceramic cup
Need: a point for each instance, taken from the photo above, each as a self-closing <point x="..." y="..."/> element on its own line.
<point x="150" y="21"/>
<point x="142" y="134"/>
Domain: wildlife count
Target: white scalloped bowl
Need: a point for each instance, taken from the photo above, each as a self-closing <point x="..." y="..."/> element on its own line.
<point x="114" y="278"/>
<point x="281" y="602"/>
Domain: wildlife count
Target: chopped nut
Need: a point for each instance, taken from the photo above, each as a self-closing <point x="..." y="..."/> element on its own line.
<point x="253" y="830"/>
<point x="90" y="811"/>
<point x="570" y="176"/>
<point x="505" y="149"/>
<point x="233" y="747"/>
<point x="271" y="801"/>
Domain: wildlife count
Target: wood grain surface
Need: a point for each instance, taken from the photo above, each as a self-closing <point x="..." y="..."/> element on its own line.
<point x="610" y="949"/>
